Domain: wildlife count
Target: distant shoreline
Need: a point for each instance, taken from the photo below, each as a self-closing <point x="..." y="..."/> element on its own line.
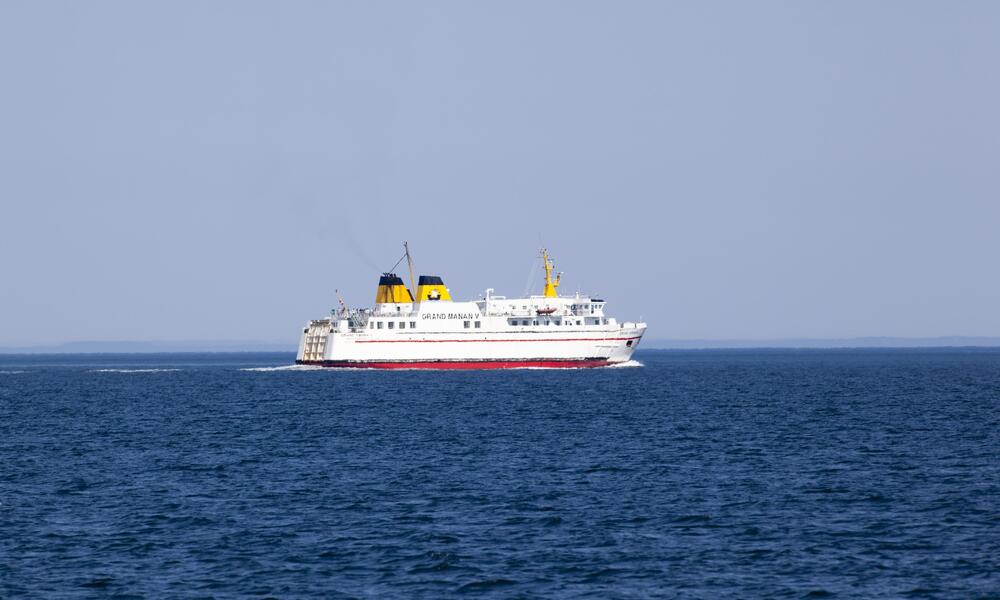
<point x="255" y="346"/>
<point x="828" y="343"/>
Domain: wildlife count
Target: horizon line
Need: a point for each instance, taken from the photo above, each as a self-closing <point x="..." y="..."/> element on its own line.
<point x="154" y="346"/>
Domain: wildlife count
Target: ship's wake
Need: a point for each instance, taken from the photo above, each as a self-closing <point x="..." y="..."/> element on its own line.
<point x="286" y="368"/>
<point x="133" y="370"/>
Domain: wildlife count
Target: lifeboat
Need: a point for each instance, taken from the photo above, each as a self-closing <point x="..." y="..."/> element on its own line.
<point x="546" y="311"/>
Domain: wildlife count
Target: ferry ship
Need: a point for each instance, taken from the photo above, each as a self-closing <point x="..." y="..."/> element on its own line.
<point x="432" y="331"/>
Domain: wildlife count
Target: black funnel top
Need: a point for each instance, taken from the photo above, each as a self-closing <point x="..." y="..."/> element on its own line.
<point x="390" y="279"/>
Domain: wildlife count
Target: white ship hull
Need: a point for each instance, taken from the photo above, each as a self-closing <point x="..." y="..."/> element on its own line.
<point x="469" y="340"/>
<point x="429" y="330"/>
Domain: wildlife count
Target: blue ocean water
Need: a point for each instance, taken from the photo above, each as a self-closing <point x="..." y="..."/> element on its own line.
<point x="702" y="474"/>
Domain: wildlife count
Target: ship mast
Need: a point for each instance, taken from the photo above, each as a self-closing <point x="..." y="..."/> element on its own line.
<point x="343" y="305"/>
<point x="550" y="286"/>
<point x="409" y="263"/>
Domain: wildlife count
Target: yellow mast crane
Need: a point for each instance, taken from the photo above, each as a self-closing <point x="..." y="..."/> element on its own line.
<point x="550" y="286"/>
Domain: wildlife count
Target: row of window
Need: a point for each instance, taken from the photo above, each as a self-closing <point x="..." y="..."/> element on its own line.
<point x="413" y="324"/>
<point x="525" y="322"/>
<point x="392" y="324"/>
<point x="478" y="324"/>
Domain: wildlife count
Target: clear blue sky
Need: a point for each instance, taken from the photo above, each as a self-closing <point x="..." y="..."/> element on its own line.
<point x="189" y="170"/>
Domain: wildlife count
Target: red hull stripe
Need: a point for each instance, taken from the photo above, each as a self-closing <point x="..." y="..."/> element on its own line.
<point x="616" y="339"/>
<point x="460" y="364"/>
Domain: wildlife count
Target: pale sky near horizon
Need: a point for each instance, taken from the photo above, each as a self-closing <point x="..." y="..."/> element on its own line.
<point x="214" y="170"/>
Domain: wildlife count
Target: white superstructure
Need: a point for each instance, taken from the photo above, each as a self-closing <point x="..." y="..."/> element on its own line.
<point x="494" y="332"/>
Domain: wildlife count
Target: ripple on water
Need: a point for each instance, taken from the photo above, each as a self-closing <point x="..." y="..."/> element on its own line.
<point x="702" y="474"/>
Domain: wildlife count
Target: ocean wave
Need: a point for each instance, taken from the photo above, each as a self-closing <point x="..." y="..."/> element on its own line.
<point x="625" y="365"/>
<point x="12" y="372"/>
<point x="132" y="370"/>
